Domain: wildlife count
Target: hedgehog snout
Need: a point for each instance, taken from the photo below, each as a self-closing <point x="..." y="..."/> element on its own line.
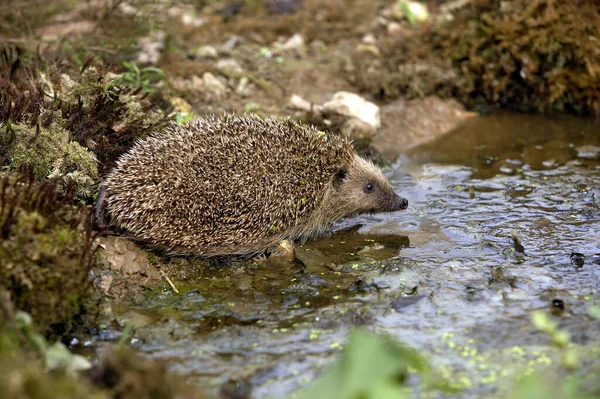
<point x="396" y="203"/>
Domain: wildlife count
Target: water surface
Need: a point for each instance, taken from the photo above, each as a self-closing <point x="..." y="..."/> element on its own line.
<point x="497" y="210"/>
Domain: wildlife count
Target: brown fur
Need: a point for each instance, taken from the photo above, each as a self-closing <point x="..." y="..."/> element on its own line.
<point x="240" y="185"/>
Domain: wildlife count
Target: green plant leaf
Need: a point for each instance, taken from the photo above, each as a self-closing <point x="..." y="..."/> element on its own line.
<point x="155" y="70"/>
<point x="408" y="13"/>
<point x="188" y="117"/>
<point x="58" y="357"/>
<point x="370" y="367"/>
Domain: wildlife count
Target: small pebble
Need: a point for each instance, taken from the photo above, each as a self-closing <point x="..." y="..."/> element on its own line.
<point x="404" y="302"/>
<point x="577" y="259"/>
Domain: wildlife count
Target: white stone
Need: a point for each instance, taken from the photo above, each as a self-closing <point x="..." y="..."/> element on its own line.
<point x="352" y="105"/>
<point x="417" y="10"/>
<point x="151" y="48"/>
<point x="191" y="20"/>
<point x="175" y="11"/>
<point x="244" y="87"/>
<point x="127" y="9"/>
<point x="296" y="42"/>
<point x="298" y="103"/>
<point x="229" y="65"/>
<point x="588" y="151"/>
<point x="213" y="84"/>
<point x="369" y="38"/>
<point x="362" y="48"/>
<point x="232" y="43"/>
<point x="207" y="52"/>
<point x="182" y="84"/>
<point x="393" y="28"/>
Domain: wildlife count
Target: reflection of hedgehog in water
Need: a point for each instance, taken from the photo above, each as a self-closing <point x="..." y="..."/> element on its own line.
<point x="240" y="185"/>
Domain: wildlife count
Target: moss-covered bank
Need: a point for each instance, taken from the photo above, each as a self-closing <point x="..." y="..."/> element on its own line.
<point x="69" y="122"/>
<point x="32" y="368"/>
<point x="46" y="252"/>
<point x="537" y="55"/>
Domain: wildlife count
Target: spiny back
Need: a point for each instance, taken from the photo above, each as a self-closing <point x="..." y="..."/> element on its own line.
<point x="223" y="181"/>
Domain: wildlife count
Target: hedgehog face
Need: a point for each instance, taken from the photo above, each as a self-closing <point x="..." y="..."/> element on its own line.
<point x="362" y="188"/>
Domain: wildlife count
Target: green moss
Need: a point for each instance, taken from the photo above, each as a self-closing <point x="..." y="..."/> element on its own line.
<point x="539" y="56"/>
<point x="24" y="377"/>
<point x="52" y="156"/>
<point x="152" y="258"/>
<point x="45" y="253"/>
<point x="41" y="148"/>
<point x="30" y="367"/>
<point x="24" y="366"/>
<point x="68" y="122"/>
<point x="532" y="56"/>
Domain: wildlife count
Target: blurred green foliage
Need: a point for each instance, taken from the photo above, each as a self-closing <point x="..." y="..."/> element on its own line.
<point x="376" y="367"/>
<point x="370" y="367"/>
<point x="140" y="78"/>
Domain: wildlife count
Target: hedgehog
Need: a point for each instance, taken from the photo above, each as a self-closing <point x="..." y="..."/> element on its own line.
<point x="240" y="185"/>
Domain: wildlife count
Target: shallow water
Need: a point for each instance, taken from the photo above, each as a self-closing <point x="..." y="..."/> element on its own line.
<point x="447" y="276"/>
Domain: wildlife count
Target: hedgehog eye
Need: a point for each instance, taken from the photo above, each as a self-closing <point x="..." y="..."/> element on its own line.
<point x="368" y="188"/>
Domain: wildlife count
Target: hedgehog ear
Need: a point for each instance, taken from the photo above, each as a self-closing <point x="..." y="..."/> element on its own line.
<point x="339" y="177"/>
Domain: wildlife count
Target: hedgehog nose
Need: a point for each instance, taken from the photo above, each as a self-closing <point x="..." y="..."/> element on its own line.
<point x="396" y="203"/>
<point x="402" y="203"/>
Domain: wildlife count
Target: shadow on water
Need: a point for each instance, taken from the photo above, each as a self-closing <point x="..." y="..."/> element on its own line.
<point x="497" y="208"/>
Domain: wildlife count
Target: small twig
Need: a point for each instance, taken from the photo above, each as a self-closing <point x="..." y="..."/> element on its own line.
<point x="125" y="335"/>
<point x="168" y="281"/>
<point x="104" y="50"/>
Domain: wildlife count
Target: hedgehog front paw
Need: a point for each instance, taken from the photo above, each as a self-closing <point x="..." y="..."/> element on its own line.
<point x="282" y="254"/>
